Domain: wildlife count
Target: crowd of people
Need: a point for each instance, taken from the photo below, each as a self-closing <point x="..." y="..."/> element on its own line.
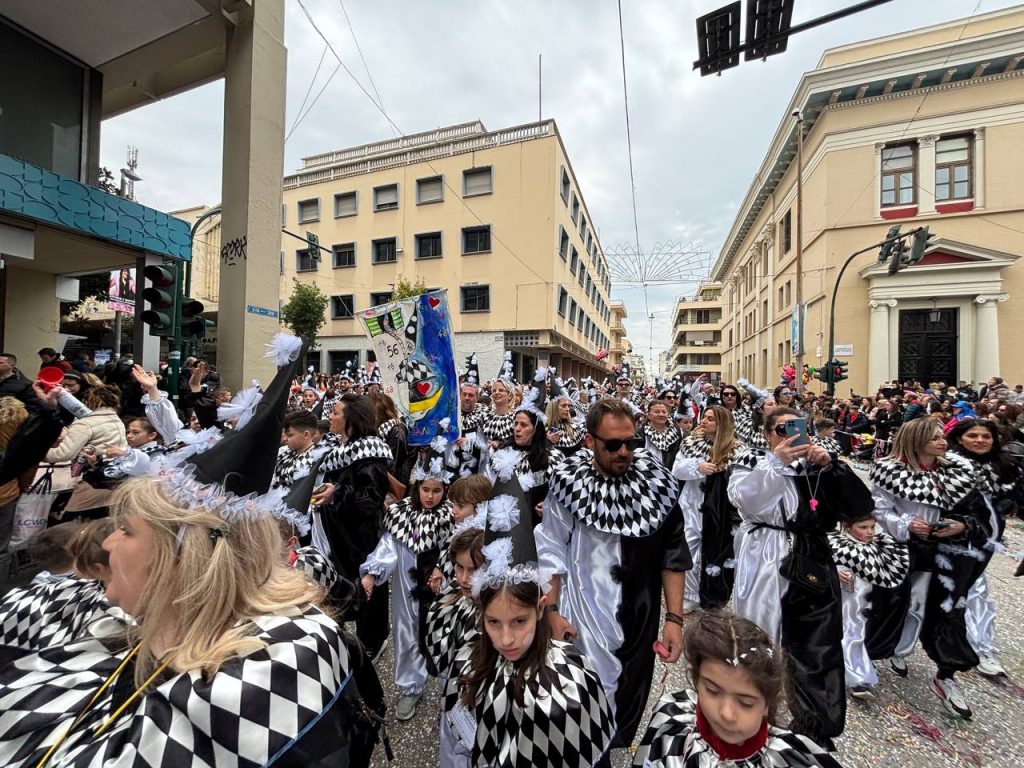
<point x="202" y="569"/>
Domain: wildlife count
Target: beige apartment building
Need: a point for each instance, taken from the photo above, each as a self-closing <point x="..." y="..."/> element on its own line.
<point x="697" y="334"/>
<point x="495" y="217"/>
<point x="919" y="128"/>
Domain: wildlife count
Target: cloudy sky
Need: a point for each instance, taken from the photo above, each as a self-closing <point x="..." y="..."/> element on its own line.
<point x="696" y="141"/>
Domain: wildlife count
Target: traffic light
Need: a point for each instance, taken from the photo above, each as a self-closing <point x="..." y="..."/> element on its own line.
<point x="824" y="374"/>
<point x="193" y="324"/>
<point x="160" y="295"/>
<point x="896" y="259"/>
<point x="886" y="250"/>
<point x="839" y="370"/>
<point x="920" y="244"/>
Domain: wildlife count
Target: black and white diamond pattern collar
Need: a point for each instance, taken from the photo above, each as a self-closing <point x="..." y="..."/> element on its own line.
<point x="633" y="505"/>
<point x="347" y="454"/>
<point x="498" y="426"/>
<point x="942" y="487"/>
<point x="385" y="429"/>
<point x="419" y="530"/>
<point x="747" y="457"/>
<point x="696" y="447"/>
<point x="566" y="721"/>
<point x="662" y="440"/>
<point x="883" y="561"/>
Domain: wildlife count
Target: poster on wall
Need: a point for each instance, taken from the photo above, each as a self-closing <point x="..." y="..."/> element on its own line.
<point x="121" y="291"/>
<point x="412" y="339"/>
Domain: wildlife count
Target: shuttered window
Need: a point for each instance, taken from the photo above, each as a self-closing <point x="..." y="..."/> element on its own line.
<point x="476" y="182"/>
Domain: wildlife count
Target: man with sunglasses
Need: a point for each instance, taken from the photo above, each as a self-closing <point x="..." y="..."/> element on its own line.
<point x="612" y="536"/>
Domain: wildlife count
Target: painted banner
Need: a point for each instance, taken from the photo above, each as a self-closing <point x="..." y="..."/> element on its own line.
<point x="412" y="339"/>
<point x="121" y="291"/>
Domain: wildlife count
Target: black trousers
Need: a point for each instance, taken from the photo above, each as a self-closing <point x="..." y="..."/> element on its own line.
<point x="373" y="621"/>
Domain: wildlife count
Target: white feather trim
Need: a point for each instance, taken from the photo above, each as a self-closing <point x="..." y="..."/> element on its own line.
<point x="284" y="348"/>
<point x="503" y="512"/>
<point x="504" y="462"/>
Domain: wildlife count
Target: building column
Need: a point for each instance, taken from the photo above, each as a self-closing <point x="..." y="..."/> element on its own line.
<point x="878" y="342"/>
<point x="926" y="174"/>
<point x="253" y="168"/>
<point x="986" y="336"/>
<point x="979" y="168"/>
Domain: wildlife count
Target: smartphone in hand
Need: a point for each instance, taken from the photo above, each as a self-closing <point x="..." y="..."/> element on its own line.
<point x="797" y="427"/>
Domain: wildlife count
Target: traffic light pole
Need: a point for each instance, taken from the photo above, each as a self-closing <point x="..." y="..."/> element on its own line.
<point x="174" y="356"/>
<point x="831" y="384"/>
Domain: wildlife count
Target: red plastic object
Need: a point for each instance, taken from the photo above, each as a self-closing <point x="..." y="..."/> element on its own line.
<point x="51" y="376"/>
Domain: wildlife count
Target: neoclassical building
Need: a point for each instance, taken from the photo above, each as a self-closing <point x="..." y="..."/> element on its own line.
<point x="922" y="128"/>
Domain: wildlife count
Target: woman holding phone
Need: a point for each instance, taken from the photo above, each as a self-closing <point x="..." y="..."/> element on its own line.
<point x="786" y="581"/>
<point x="927" y="498"/>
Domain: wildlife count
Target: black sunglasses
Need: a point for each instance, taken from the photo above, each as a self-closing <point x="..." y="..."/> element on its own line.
<point x="615" y="444"/>
<point x="730" y="394"/>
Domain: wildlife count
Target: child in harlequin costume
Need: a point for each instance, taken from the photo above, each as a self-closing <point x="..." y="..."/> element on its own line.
<point x="415" y="530"/>
<point x="536" y="701"/>
<point x="726" y="719"/>
<point x="865" y="559"/>
<point x="453" y="624"/>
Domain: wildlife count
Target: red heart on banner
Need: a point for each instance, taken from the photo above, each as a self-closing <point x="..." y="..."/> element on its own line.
<point x="433" y="301"/>
<point x="423" y="387"/>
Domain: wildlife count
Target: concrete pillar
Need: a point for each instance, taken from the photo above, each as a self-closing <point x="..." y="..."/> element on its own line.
<point x="926" y="174"/>
<point x="31" y="315"/>
<point x="878" y="342"/>
<point x="986" y="336"/>
<point x="254" y="99"/>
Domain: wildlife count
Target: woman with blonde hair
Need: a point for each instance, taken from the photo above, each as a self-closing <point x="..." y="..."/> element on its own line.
<point x="12" y="415"/>
<point x="703" y="465"/>
<point x="562" y="433"/>
<point x="230" y="660"/>
<point x="922" y="497"/>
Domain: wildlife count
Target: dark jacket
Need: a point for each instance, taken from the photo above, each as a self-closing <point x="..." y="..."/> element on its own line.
<point x="17" y="385"/>
<point x="354" y="517"/>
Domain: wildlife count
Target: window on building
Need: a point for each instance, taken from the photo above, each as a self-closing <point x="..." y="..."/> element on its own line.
<point x="702" y="316"/>
<point x="476" y="298"/>
<point x="385" y="251"/>
<point x="563" y="242"/>
<point x="899" y="172"/>
<point x="789" y="295"/>
<point x="575" y="209"/>
<point x="476" y="239"/>
<point x="385" y="198"/>
<point x="574" y="259"/>
<point x="383" y="297"/>
<point x="306" y="261"/>
<point x="477" y="181"/>
<point x="786" y="232"/>
<point x="583" y="231"/>
<point x="572" y="311"/>
<point x="428" y="246"/>
<point x="309" y="210"/>
<point x="345" y="204"/>
<point x="953" y="169"/>
<point x="764" y="311"/>
<point x="343" y="255"/>
<point x="429" y="190"/>
<point x="582" y="276"/>
<point x="565" y="186"/>
<point x="342" y="307"/>
<point x="563" y="300"/>
<point x="284" y="215"/>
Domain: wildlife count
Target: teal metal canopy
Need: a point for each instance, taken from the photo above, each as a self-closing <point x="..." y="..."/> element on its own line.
<point x="47" y="197"/>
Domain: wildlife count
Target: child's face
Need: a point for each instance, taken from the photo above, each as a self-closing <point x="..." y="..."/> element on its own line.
<point x="863" y="531"/>
<point x="464" y="570"/>
<point x="830" y="432"/>
<point x="730" y="701"/>
<point x="462" y="512"/>
<point x="511" y="626"/>
<point x="431" y="492"/>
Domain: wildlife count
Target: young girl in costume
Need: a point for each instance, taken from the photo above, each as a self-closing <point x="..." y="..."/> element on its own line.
<point x="536" y="701"/>
<point x="453" y="622"/>
<point x="726" y="719"/>
<point x="415" y="530"/>
<point x="864" y="559"/>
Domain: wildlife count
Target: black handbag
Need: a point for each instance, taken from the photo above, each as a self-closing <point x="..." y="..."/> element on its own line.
<point x="805" y="572"/>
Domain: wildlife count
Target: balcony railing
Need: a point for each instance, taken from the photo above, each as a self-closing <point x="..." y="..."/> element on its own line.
<point x="392" y="145"/>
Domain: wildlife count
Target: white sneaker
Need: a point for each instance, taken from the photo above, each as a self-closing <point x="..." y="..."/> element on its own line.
<point x="949" y="692"/>
<point x="689" y="606"/>
<point x="406" y="708"/>
<point x="989" y="666"/>
<point x="862" y="692"/>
